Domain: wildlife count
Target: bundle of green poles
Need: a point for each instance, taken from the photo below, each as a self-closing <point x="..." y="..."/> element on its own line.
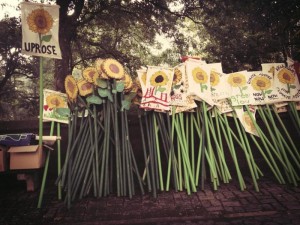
<point x="185" y="149"/>
<point x="99" y="157"/>
<point x="181" y="151"/>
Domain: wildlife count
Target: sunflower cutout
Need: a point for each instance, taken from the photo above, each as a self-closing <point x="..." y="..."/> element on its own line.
<point x="158" y="80"/>
<point x="113" y="69"/>
<point x="55" y="101"/>
<point x="90" y="74"/>
<point x="127" y="82"/>
<point x="214" y="78"/>
<point x="98" y="66"/>
<point x="286" y="76"/>
<point x="71" y="87"/>
<point x="237" y="80"/>
<point x="200" y="77"/>
<point x="85" y="88"/>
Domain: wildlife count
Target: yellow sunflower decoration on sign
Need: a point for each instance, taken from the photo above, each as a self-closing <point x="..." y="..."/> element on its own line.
<point x="214" y="78"/>
<point x="177" y="76"/>
<point x="260" y="83"/>
<point x="55" y="101"/>
<point x="200" y="77"/>
<point x="40" y="21"/>
<point x="158" y="80"/>
<point x="236" y="80"/>
<point x="285" y="76"/>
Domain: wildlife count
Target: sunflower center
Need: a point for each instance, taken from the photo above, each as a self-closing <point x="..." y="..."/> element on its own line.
<point x="286" y="76"/>
<point x="91" y="74"/>
<point x="159" y="79"/>
<point x="200" y="76"/>
<point x="212" y="79"/>
<point x="71" y="86"/>
<point x="55" y="101"/>
<point x="86" y="86"/>
<point x="260" y="83"/>
<point x="114" y="68"/>
<point x="237" y="80"/>
<point x="41" y="21"/>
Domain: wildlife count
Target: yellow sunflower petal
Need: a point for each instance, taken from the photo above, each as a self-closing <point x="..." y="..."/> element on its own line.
<point x="214" y="78"/>
<point x="98" y="66"/>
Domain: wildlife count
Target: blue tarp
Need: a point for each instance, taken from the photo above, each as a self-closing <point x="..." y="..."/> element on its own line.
<point x="16" y="139"/>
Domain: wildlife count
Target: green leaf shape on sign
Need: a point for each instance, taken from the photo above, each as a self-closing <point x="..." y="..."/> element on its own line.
<point x="101" y="83"/>
<point x="93" y="99"/>
<point x="126" y="104"/>
<point x="161" y="89"/>
<point x="120" y="86"/>
<point x="245" y="87"/>
<point x="268" y="92"/>
<point x="177" y="86"/>
<point x="46" y="38"/>
<point x="204" y="87"/>
<point x="65" y="112"/>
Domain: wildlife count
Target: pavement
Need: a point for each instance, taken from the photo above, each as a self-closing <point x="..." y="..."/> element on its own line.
<point x="273" y="204"/>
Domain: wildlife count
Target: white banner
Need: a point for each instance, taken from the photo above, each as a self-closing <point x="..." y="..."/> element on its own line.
<point x="40" y="24"/>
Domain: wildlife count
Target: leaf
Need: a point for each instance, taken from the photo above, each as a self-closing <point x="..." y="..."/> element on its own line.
<point x="129" y="96"/>
<point x="245" y="87"/>
<point x="126" y="104"/>
<point x="46" y="38"/>
<point x="268" y="92"/>
<point x="93" y="99"/>
<point x="177" y="86"/>
<point x="103" y="92"/>
<point x="63" y="111"/>
<point x="204" y="87"/>
<point x="101" y="83"/>
<point x="161" y="89"/>
<point x="120" y="86"/>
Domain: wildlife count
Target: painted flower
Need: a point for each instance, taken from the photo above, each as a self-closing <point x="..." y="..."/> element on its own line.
<point x="113" y="69"/>
<point x="248" y="122"/>
<point x="214" y="78"/>
<point x="40" y="21"/>
<point x="159" y="78"/>
<point x="90" y="74"/>
<point x="260" y="83"/>
<point x="177" y="76"/>
<point x="85" y="87"/>
<point x="55" y="101"/>
<point x="144" y="77"/>
<point x="285" y="76"/>
<point x="236" y="80"/>
<point x="199" y="75"/>
<point x="71" y="87"/>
